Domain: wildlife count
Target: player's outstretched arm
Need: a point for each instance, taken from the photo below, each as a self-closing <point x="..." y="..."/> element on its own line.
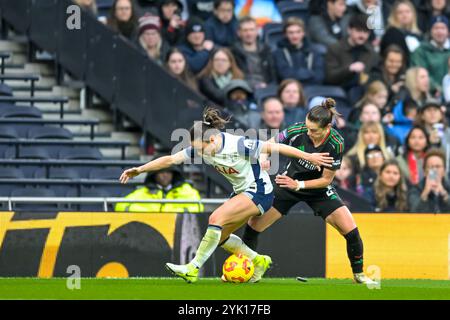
<point x="154" y="165"/>
<point x="318" y="159"/>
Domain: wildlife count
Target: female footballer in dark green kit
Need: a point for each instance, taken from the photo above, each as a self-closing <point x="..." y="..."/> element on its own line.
<point x="301" y="181"/>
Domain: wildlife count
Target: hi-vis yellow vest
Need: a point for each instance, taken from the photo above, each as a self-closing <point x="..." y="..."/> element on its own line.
<point x="184" y="191"/>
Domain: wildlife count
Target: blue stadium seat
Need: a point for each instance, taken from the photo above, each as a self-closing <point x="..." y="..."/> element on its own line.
<point x="63" y="173"/>
<point x="44" y="132"/>
<point x="5" y="90"/>
<point x="294" y="9"/>
<point x="263" y="93"/>
<point x="105" y="173"/>
<point x="11" y="111"/>
<point x="33" y="152"/>
<point x="104" y="7"/>
<point x="82" y="153"/>
<point x="11" y="173"/>
<point x="34" y="192"/>
<point x="8" y="132"/>
<point x="272" y="34"/>
<point x="91" y="192"/>
<point x="7" y="152"/>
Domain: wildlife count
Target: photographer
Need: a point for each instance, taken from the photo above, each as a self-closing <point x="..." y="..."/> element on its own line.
<point x="432" y="193"/>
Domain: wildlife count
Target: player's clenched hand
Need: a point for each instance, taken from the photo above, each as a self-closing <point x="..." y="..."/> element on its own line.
<point x="286" y="182"/>
<point x="128" y="174"/>
<point x="320" y="159"/>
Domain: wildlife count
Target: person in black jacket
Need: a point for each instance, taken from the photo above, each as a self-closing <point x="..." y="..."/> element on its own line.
<point x="432" y="193"/>
<point x="297" y="58"/>
<point x="221" y="27"/>
<point x="252" y="56"/>
<point x="172" y="26"/>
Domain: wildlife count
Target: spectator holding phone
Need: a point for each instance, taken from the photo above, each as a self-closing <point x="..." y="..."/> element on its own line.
<point x="172" y="24"/>
<point x="432" y="193"/>
<point x="432" y="117"/>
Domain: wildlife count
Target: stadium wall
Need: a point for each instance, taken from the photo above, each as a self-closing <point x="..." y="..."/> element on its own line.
<point x="37" y="244"/>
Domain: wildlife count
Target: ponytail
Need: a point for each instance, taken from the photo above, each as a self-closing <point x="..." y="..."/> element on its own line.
<point x="325" y="113"/>
<point x="211" y="124"/>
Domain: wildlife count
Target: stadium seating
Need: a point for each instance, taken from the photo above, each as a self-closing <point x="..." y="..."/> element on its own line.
<point x="294" y="9"/>
<point x="272" y="34"/>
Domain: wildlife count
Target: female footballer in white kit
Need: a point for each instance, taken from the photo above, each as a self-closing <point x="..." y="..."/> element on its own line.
<point x="236" y="158"/>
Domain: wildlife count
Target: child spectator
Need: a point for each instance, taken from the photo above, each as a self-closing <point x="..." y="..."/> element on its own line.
<point x="240" y="102"/>
<point x="221" y="27"/>
<point x="123" y="19"/>
<point x="176" y="64"/>
<point x="297" y="58"/>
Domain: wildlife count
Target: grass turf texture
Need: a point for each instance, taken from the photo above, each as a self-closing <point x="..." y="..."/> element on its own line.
<point x="214" y="289"/>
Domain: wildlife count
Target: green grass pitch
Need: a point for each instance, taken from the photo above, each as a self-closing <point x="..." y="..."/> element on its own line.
<point x="213" y="288"/>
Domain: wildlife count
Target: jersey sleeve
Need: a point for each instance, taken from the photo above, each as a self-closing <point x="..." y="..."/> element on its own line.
<point x="286" y="135"/>
<point x="249" y="148"/>
<point x="336" y="151"/>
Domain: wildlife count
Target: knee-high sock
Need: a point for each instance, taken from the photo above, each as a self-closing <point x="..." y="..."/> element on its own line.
<point x="355" y="250"/>
<point x="250" y="237"/>
<point x="235" y="245"/>
<point x="207" y="246"/>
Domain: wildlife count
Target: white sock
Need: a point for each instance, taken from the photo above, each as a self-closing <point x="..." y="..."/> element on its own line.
<point x="235" y="245"/>
<point x="206" y="248"/>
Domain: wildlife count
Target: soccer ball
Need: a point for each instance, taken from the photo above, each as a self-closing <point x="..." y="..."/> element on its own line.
<point x="237" y="269"/>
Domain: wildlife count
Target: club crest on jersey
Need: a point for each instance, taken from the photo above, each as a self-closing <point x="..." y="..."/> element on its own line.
<point x="226" y="170"/>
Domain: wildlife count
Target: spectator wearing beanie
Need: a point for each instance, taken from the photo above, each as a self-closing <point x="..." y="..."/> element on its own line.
<point x="433" y="54"/>
<point x="196" y="49"/>
<point x="172" y="25"/>
<point x="150" y="38"/>
<point x="221" y="27"/>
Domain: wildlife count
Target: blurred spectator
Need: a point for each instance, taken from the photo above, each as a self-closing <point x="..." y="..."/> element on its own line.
<point x="391" y="70"/>
<point x="297" y="58"/>
<point x="402" y="29"/>
<point x="433" y="55"/>
<point x="432" y="118"/>
<point x="417" y="86"/>
<point x="272" y="115"/>
<point x="172" y="27"/>
<point x="390" y="192"/>
<point x="400" y="121"/>
<point x="165" y="184"/>
<point x="240" y="101"/>
<point x="201" y="9"/>
<point x="331" y="25"/>
<point x="196" y="49"/>
<point x="221" y="27"/>
<point x="376" y="94"/>
<point x="217" y="74"/>
<point x="446" y="84"/>
<point x="349" y="61"/>
<point x="378" y="10"/>
<point x="345" y="177"/>
<point x="263" y="11"/>
<point x="432" y="8"/>
<point x="88" y="5"/>
<point x="252" y="56"/>
<point x="150" y="38"/>
<point x="293" y="98"/>
<point x="432" y="193"/>
<point x="411" y="158"/>
<point x="176" y="64"/>
<point x="123" y="19"/>
<point x="374" y="159"/>
<point x="369" y="133"/>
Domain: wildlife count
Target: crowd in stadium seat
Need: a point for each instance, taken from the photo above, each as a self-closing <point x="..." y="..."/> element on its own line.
<point x="386" y="63"/>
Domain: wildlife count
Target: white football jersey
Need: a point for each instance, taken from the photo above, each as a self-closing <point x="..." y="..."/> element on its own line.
<point x="237" y="161"/>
